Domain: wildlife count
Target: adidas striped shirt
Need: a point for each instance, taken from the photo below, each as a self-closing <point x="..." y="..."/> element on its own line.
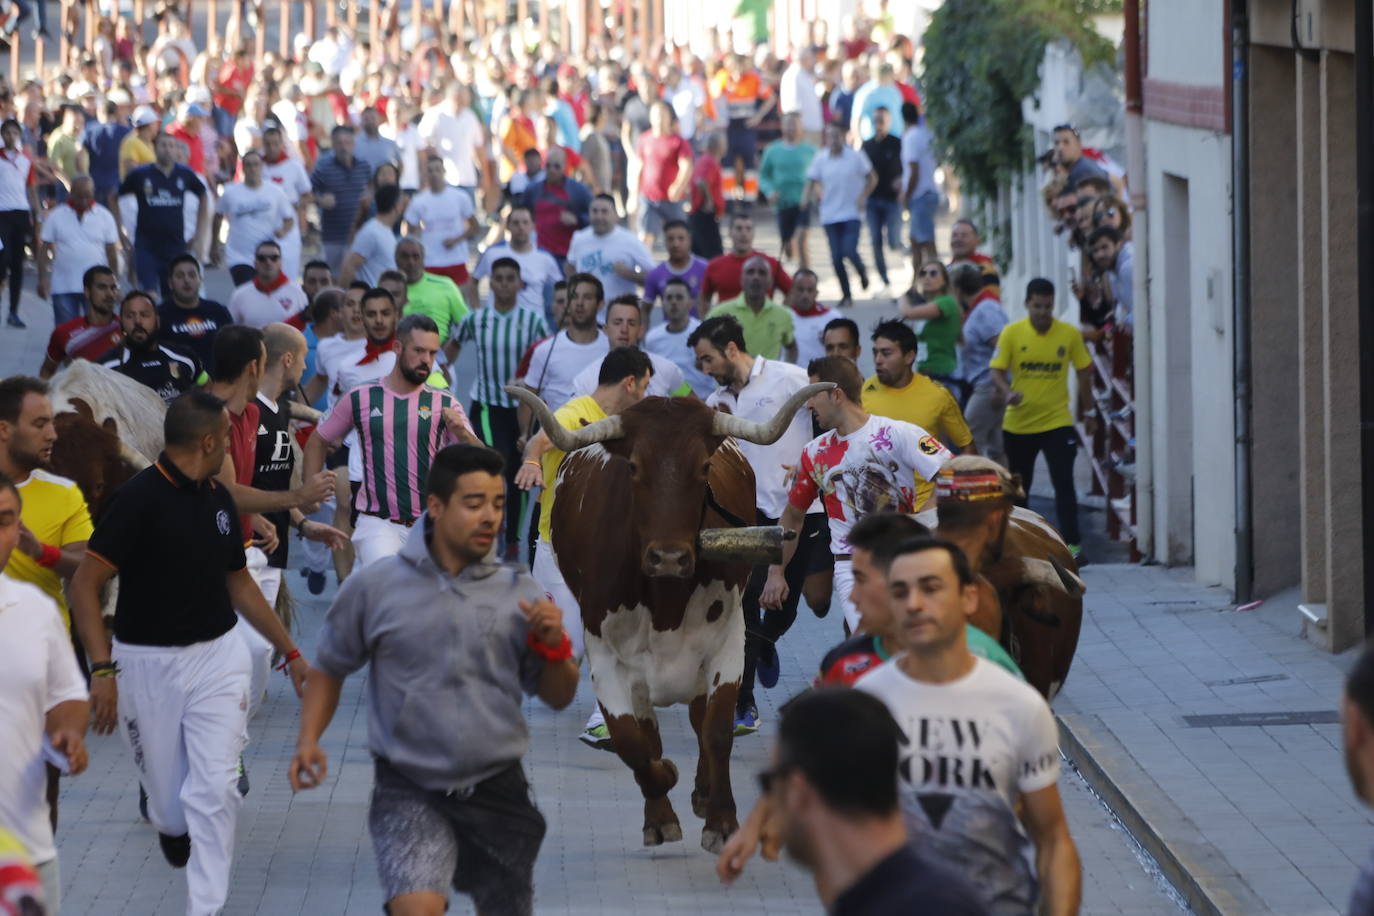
<point x="398" y="436"/>
<point x="501" y="339"/>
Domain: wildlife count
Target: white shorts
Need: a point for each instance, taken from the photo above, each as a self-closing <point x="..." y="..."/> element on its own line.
<point x="550" y="579"/>
<point x="844" y="584"/>
<point x="375" y="538"/>
<point x="268" y="579"/>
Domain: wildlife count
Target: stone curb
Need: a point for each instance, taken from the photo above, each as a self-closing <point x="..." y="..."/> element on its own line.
<point x="1209" y="884"/>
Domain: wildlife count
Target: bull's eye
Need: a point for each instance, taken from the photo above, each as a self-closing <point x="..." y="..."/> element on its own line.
<point x="706" y="469"/>
<point x="634" y="468"/>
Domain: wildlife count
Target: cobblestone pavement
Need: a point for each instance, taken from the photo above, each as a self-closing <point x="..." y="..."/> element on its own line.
<point x="311" y="854"/>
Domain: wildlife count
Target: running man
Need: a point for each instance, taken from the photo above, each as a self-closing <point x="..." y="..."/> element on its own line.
<point x="446" y="810"/>
<point x="401" y="423"/>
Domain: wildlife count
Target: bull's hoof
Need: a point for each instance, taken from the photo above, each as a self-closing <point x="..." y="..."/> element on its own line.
<point x="699" y="803"/>
<point x="713" y="841"/>
<point x="663" y="833"/>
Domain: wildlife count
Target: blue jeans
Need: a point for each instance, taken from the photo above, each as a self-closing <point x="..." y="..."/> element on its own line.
<point x="883" y="214"/>
<point x="844" y="243"/>
<point x="66" y="306"/>
<point x="151" y="267"/>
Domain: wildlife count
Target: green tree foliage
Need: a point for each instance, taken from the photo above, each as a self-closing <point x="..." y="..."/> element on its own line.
<point x="982" y="57"/>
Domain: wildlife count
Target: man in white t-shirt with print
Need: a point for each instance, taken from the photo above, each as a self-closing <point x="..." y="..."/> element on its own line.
<point x="256" y="210"/>
<point x="539" y="270"/>
<point x="864" y="464"/>
<point x="979" y="744"/>
<point x="625" y="328"/>
<point x="374" y="247"/>
<point x="841" y="178"/>
<point x="288" y="173"/>
<point x="445" y="220"/>
<point x="670" y="338"/>
<point x="557" y="360"/>
<point x="271" y="296"/>
<point x="609" y="251"/>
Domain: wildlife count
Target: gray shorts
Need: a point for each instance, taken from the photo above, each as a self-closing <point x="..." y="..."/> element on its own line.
<point x="654" y="214"/>
<point x="481" y="843"/>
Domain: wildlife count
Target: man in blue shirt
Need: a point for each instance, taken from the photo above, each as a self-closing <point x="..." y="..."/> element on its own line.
<point x="161" y="190"/>
<point x="101" y="141"/>
<point x="338" y="183"/>
<point x="879" y="92"/>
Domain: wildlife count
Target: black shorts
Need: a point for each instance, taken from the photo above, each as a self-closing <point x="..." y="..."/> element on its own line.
<point x="816" y="528"/>
<point x="482" y="842"/>
<point x="741" y="143"/>
<point x="790" y="219"/>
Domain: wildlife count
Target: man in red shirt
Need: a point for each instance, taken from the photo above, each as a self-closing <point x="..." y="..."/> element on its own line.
<point x="708" y="199"/>
<point x="92" y="335"/>
<point x="232" y="82"/>
<point x="559" y="205"/>
<point x="187" y="129"/>
<point x="665" y="171"/>
<point x="723" y="273"/>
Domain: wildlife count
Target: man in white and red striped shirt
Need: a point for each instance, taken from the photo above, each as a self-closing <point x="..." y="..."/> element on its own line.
<point x="18" y="211"/>
<point x="400" y="424"/>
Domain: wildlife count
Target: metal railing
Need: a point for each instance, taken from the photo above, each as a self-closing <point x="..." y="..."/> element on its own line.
<point x="1111" y="449"/>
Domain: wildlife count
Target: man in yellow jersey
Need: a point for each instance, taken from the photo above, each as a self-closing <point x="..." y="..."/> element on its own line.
<point x="55" y="521"/>
<point x="1031" y="371"/>
<point x="897" y="391"/>
<point x="624" y="377"/>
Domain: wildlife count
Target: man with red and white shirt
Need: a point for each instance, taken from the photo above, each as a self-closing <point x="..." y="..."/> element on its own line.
<point x="665" y="172"/>
<point x="446" y="220"/>
<point x="288" y="173"/>
<point x="92" y="335"/>
<point x="271" y="296"/>
<point x="18" y="211"/>
<point x="864" y="464"/>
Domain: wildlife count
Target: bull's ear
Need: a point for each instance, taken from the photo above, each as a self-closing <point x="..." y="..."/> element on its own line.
<point x="81" y="407"/>
<point x="621" y="447"/>
<point x="111" y="427"/>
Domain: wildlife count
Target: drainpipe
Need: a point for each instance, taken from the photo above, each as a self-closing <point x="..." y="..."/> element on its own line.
<point x="1135" y="174"/>
<point x="1364" y="174"/>
<point x="1240" y="286"/>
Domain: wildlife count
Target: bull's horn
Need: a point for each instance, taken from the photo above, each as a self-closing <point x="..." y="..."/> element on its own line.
<point x="304" y="412"/>
<point x="1052" y="575"/>
<point x="770" y="432"/>
<point x="133" y="457"/>
<point x="568" y="440"/>
<point x="754" y="546"/>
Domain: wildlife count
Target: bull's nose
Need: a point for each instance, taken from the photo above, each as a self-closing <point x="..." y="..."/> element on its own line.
<point x="663" y="560"/>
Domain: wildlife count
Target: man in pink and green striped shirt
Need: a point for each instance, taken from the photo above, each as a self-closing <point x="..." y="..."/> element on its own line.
<point x="401" y="423"/>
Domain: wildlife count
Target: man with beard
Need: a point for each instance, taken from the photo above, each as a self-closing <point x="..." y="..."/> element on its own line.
<point x="395" y="454"/>
<point x="165" y="368"/>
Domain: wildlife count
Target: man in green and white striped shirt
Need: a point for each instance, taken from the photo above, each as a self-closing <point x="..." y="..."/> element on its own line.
<point x="502" y="332"/>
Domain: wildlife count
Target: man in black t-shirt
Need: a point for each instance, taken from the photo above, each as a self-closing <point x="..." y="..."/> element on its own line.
<point x="188" y="320"/>
<point x="172" y="535"/>
<point x="160" y="189"/>
<point x="166" y="368"/>
<point x="832" y="789"/>
<point x="884" y="209"/>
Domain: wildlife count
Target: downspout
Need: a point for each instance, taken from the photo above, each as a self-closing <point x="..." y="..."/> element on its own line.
<point x="1240" y="286"/>
<point x="1136" y="178"/>
<point x="1364" y="180"/>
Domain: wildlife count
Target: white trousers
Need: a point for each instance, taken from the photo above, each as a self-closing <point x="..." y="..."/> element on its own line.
<point x="375" y="538"/>
<point x="259" y="649"/>
<point x="315" y="557"/>
<point x="550" y="579"/>
<point x="183" y="711"/>
<point x="844" y="584"/>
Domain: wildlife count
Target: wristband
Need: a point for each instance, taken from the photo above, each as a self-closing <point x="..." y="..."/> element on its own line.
<point x="104" y="669"/>
<point x="561" y="652"/>
<point x="533" y="462"/>
<point x="290" y="657"/>
<point x="49" y="556"/>
<point x="300" y="526"/>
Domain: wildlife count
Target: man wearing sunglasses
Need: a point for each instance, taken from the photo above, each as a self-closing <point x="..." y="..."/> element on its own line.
<point x="271" y="296"/>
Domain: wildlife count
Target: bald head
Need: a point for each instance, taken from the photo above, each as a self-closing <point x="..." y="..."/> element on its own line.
<point x="280" y="340"/>
<point x="756" y="277"/>
<point x="410" y="259"/>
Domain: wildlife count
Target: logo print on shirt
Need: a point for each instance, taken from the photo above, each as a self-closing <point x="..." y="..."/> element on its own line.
<point x="881" y="440"/>
<point x="222" y="521"/>
<point x="425" y="412"/>
<point x="376" y="412"/>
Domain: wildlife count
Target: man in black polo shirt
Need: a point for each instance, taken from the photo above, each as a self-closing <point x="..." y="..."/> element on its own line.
<point x="188" y="320"/>
<point x="172" y="535"/>
<point x="166" y="368"/>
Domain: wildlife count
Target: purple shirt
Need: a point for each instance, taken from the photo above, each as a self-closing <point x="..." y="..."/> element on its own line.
<point x="656" y="279"/>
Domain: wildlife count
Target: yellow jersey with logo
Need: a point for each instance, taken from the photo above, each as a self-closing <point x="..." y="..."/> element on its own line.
<point x="55" y="511"/>
<point x="575" y="414"/>
<point x="1039" y="365"/>
<point x="924" y="403"/>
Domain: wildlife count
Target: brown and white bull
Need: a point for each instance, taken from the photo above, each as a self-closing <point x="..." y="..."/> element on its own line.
<point x="663" y="620"/>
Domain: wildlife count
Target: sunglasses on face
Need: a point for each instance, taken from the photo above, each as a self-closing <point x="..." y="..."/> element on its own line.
<point x="269" y="257"/>
<point x="930" y="273"/>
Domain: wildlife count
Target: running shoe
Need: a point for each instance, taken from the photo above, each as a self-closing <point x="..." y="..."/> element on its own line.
<point x="142" y="802"/>
<point x="767" y="668"/>
<point x="175" y="849"/>
<point x="243" y="778"/>
<point x="747" y="722"/>
<point x="1076" y="550"/>
<point x="597" y="736"/>
<point x="15" y="321"/>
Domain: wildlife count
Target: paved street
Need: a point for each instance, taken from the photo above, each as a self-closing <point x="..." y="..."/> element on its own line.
<point x="311" y="853"/>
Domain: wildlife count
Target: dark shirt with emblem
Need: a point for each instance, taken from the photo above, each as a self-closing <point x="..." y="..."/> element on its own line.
<point x="168" y="369"/>
<point x="274" y="461"/>
<point x="194" y="329"/>
<point x="161" y="204"/>
<point x="173" y="541"/>
<point x="886" y="156"/>
<point x="905" y="882"/>
<point x="851" y="660"/>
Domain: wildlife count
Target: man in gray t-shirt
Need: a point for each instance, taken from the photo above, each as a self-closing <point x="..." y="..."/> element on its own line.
<point x="455" y="641"/>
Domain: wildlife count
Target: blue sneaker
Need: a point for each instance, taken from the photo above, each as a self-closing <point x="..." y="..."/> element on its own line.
<point x="15" y="321"/>
<point x="767" y="668"/>
<point x="315" y="582"/>
<point x="747" y="722"/>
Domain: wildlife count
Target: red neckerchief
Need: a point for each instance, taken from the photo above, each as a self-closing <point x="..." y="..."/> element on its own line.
<point x="372" y="354"/>
<point x="281" y="157"/>
<point x="71" y="202"/>
<point x="281" y="281"/>
<point x="818" y="310"/>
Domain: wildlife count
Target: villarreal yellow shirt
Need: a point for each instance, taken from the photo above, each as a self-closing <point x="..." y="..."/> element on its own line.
<point x="55" y="511"/>
<point x="575" y="414"/>
<point x="1040" y="365"/>
<point x="924" y="403"/>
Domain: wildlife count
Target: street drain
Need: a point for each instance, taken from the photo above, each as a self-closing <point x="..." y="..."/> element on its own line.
<point x="1235" y="719"/>
<point x="1257" y="679"/>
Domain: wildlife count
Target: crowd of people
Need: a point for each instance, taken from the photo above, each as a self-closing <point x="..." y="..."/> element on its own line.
<point x="377" y="217"/>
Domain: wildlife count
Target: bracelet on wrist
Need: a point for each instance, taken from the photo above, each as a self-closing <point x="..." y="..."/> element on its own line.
<point x="533" y="462"/>
<point x="49" y="556"/>
<point x="104" y="669"/>
<point x="561" y="652"/>
<point x="300" y="526"/>
<point x="290" y="657"/>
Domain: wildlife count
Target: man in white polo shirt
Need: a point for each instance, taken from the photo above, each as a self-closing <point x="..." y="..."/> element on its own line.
<point x="443" y="217"/>
<point x="271" y="296"/>
<point x="18" y="211"/>
<point x="256" y="210"/>
<point x="842" y="178"/>
<point x="75" y="237"/>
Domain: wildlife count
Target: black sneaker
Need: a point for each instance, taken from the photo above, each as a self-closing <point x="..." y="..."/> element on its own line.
<point x="142" y="802"/>
<point x="175" y="849"/>
<point x="767" y="668"/>
<point x="15" y="321"/>
<point x="243" y="778"/>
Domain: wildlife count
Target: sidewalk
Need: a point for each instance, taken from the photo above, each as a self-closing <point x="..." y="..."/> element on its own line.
<point x="1244" y="813"/>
